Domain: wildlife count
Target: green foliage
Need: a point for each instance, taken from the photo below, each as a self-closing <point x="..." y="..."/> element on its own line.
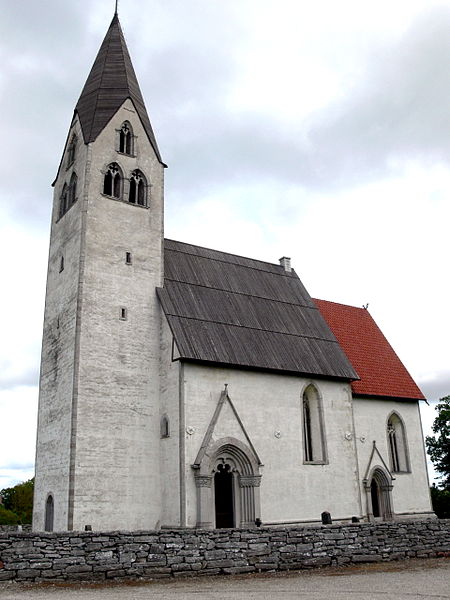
<point x="441" y="502"/>
<point x="19" y="501"/>
<point x="8" y="517"/>
<point x="438" y="445"/>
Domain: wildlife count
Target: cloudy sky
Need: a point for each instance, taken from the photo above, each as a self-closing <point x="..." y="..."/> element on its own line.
<point x="317" y="130"/>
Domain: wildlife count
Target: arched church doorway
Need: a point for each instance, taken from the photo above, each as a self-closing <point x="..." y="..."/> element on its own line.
<point x="379" y="495"/>
<point x="227" y="482"/>
<point x="224" y="496"/>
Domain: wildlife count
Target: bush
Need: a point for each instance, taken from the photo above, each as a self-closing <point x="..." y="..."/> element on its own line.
<point x="441" y="502"/>
<point x="8" y="517"/>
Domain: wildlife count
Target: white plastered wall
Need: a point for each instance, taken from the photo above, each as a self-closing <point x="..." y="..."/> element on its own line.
<point x="116" y="481"/>
<point x="270" y="407"/>
<point x="57" y="359"/>
<point x="410" y="492"/>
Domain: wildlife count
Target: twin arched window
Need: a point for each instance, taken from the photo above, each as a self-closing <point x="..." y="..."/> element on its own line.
<point x="114" y="185"/>
<point x="397" y="444"/>
<point x="71" y="150"/>
<point x="68" y="195"/>
<point x="126" y="139"/>
<point x="313" y="434"/>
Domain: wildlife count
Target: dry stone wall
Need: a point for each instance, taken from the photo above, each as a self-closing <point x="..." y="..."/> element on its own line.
<point x="155" y="554"/>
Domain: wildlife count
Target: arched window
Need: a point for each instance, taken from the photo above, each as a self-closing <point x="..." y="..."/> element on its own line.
<point x="313" y="434"/>
<point x="112" y="183"/>
<point x="72" y="150"/>
<point x="126" y="139"/>
<point x="72" y="193"/>
<point x="165" y="428"/>
<point x="397" y="444"/>
<point x="138" y="189"/>
<point x="63" y="200"/>
<point x="49" y="513"/>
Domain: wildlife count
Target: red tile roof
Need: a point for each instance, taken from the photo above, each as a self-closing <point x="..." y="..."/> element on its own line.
<point x="380" y="370"/>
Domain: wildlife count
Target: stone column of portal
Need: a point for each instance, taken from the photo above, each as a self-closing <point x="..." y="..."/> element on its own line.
<point x="204" y="501"/>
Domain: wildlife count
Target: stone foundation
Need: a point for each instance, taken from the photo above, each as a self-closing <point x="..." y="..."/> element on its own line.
<point x="93" y="556"/>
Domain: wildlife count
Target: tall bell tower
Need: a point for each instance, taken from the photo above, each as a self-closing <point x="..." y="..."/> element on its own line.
<point x="97" y="456"/>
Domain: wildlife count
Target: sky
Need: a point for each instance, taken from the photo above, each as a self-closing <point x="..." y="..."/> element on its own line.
<point x="314" y="130"/>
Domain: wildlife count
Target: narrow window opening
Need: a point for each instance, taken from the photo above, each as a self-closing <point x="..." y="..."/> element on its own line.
<point x="123" y="314"/>
<point x="49" y="513"/>
<point x="61" y="264"/>
<point x="165" y="430"/>
<point x="307" y="431"/>
<point x="128" y="258"/>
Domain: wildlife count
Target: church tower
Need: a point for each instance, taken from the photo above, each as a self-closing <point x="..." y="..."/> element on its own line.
<point x="97" y="457"/>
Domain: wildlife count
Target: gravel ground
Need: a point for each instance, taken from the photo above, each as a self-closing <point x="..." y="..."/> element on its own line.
<point x="403" y="580"/>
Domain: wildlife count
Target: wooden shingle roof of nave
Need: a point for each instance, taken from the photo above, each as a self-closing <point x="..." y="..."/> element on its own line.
<point x="382" y="374"/>
<point x="230" y="310"/>
<point x="110" y="82"/>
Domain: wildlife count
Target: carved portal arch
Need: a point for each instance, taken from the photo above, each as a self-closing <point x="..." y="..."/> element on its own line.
<point x="378" y="487"/>
<point x="228" y="481"/>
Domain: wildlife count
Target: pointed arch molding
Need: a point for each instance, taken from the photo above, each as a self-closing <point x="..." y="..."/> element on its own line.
<point x="244" y="462"/>
<point x="376" y="452"/>
<point x="224" y="397"/>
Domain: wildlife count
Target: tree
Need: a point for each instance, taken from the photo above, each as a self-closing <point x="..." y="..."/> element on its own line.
<point x="8" y="517"/>
<point x="441" y="502"/>
<point x="438" y="445"/>
<point x="19" y="500"/>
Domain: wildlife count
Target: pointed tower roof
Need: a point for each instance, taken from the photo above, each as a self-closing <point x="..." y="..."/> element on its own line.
<point x="111" y="81"/>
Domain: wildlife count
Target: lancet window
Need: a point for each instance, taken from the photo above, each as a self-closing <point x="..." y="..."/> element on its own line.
<point x="313" y="430"/>
<point x="397" y="444"/>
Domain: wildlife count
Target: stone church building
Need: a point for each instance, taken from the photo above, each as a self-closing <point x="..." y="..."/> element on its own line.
<point x="188" y="387"/>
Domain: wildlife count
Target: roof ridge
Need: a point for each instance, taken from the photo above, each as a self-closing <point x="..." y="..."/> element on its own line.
<point x="282" y="271"/>
<point x="341" y="304"/>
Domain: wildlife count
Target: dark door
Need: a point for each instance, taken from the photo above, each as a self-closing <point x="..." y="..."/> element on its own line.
<point x="223" y="488"/>
<point x="375" y="495"/>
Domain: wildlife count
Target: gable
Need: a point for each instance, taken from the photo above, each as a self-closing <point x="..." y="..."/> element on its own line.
<point x="230" y="310"/>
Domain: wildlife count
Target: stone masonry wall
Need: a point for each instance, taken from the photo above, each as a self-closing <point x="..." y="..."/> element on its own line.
<point x="118" y="555"/>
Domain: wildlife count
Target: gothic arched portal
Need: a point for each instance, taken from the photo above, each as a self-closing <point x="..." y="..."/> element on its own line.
<point x="378" y="490"/>
<point x="228" y="483"/>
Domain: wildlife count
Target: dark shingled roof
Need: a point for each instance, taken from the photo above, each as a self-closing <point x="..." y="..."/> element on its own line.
<point x="382" y="374"/>
<point x="111" y="81"/>
<point x="230" y="310"/>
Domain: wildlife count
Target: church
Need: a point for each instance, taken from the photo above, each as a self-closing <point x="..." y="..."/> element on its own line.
<point x="185" y="387"/>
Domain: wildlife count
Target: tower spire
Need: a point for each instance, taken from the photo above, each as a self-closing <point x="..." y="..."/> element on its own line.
<point x="117" y="5"/>
<point x="111" y="81"/>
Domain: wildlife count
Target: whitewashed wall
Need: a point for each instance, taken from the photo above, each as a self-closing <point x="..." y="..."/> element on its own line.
<point x="410" y="493"/>
<point x="290" y="490"/>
